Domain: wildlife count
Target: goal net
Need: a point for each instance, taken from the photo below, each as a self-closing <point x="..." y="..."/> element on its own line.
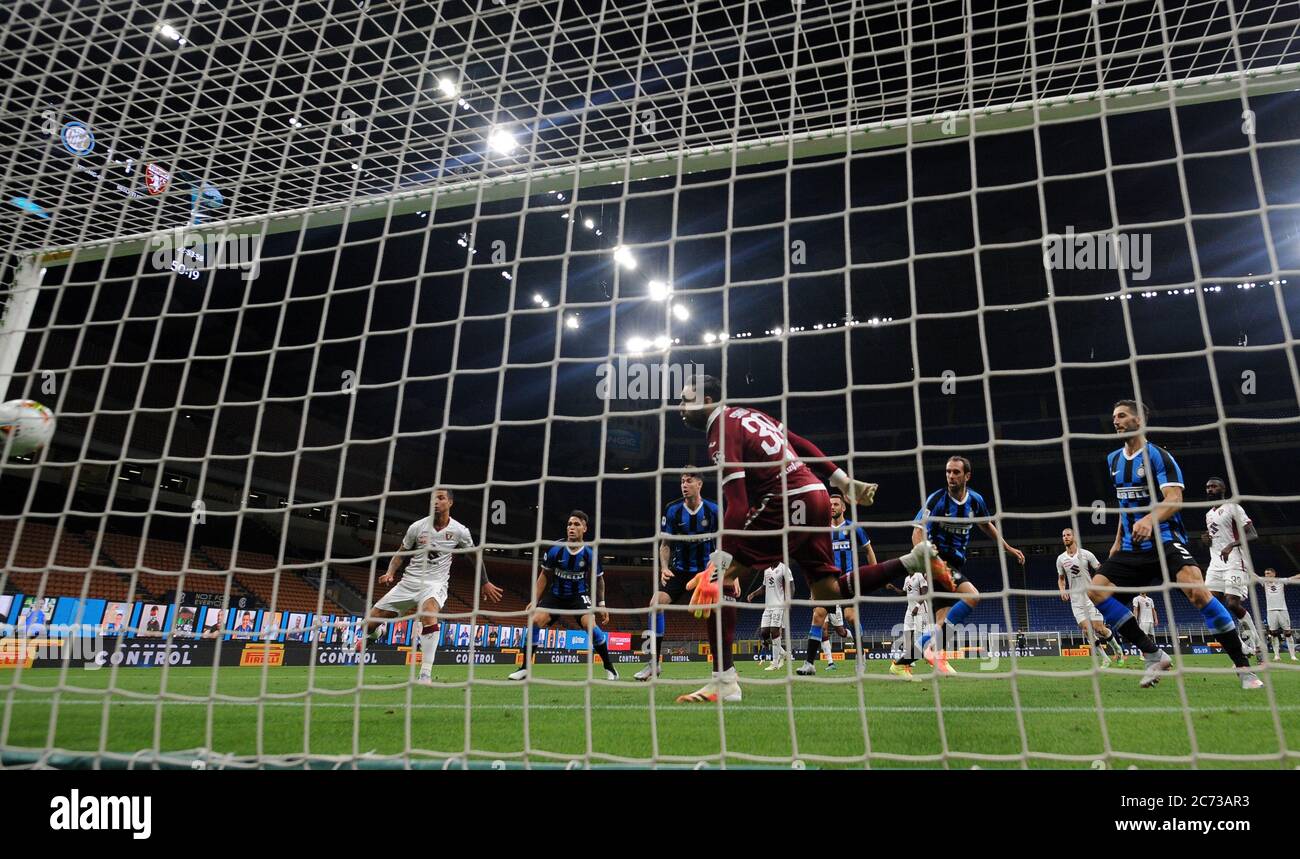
<point x="281" y="269"/>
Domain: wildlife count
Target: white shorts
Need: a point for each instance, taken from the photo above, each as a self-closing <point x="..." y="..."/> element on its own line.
<point x="1223" y="579"/>
<point x="1149" y="628"/>
<point x="916" y="624"/>
<point x="410" y="593"/>
<point x="1084" y="610"/>
<point x="773" y="618"/>
<point x="1279" y="619"/>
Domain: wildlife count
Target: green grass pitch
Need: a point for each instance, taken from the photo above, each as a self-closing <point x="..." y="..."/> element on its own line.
<point x="778" y="722"/>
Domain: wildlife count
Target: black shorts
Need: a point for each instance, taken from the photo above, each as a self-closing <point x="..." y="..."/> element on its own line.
<point x="948" y="597"/>
<point x="1137" y="569"/>
<point x="676" y="587"/>
<point x="575" y="602"/>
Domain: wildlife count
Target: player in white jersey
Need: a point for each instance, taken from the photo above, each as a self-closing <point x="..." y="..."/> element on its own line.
<point x="776" y="598"/>
<point x="1227" y="528"/>
<point x="916" y="623"/>
<point x="428" y="545"/>
<point x="1144" y="609"/>
<point x="1074" y="570"/>
<point x="1279" y="618"/>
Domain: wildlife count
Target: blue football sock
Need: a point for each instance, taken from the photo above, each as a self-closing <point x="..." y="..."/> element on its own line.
<point x="659" y="623"/>
<point x="958" y="613"/>
<point x="598" y="635"/>
<point x="815" y="633"/>
<point x="1115" y="612"/>
<point x="1217" y="617"/>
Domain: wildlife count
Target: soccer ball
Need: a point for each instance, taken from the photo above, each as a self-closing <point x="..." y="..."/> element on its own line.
<point x="26" y="426"/>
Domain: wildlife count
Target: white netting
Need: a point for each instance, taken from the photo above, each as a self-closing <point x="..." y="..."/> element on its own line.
<point x="282" y="268"/>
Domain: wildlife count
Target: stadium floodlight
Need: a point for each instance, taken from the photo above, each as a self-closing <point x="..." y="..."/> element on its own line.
<point x="502" y="141"/>
<point x="709" y="337"/>
<point x="637" y="344"/>
<point x="167" y="31"/>
<point x="588" y="223"/>
<point x="571" y="321"/>
<point x="624" y="257"/>
<point x="681" y="313"/>
<point x="448" y="87"/>
<point x="537" y="298"/>
<point x="663" y="341"/>
<point x="659" y="290"/>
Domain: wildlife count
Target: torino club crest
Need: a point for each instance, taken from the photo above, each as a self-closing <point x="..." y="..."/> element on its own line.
<point x="156" y="179"/>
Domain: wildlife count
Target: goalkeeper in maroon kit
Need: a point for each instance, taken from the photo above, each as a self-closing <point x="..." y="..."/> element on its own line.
<point x="767" y="487"/>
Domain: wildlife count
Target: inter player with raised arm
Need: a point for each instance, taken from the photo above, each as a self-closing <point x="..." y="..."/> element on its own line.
<point x="959" y="503"/>
<point x="567" y="566"/>
<point x="429" y="545"/>
<point x="1279" y="617"/>
<point x="847" y="540"/>
<point x="1144" y="540"/>
<point x="1227" y="528"/>
<point x="767" y="487"/>
<point x="1074" y="569"/>
<point x="689" y="524"/>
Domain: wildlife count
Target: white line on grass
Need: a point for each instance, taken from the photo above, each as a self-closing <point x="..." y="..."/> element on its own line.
<point x="662" y="709"/>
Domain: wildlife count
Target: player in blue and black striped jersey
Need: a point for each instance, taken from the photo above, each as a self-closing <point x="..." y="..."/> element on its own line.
<point x="1148" y="532"/>
<point x="847" y="540"/>
<point x="690" y="526"/>
<point x="564" y="583"/>
<point x="947" y="518"/>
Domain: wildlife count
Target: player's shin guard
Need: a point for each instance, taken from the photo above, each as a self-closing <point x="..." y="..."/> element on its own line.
<point x="1221" y="624"/>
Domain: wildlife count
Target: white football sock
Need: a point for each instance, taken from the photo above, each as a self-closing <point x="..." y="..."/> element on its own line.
<point x="1249" y="635"/>
<point x="1290" y="644"/>
<point x="826" y="648"/>
<point x="428" y="650"/>
<point x="778" y="652"/>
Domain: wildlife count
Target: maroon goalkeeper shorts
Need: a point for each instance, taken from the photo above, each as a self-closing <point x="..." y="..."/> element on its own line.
<point x="811" y="550"/>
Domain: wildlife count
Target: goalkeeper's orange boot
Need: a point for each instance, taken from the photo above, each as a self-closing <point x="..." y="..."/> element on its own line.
<point x="939" y="660"/>
<point x="726" y="687"/>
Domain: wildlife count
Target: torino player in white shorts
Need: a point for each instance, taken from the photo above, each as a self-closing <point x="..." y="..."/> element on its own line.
<point x="776" y="597"/>
<point x="1144" y="609"/>
<point x="1227" y="528"/>
<point x="423" y="586"/>
<point x="1074" y="570"/>
<point x="916" y="623"/>
<point x="1279" y="618"/>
